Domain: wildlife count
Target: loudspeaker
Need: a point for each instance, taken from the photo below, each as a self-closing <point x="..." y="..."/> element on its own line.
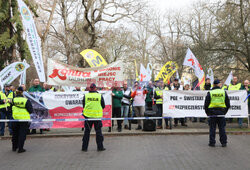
<point x="149" y="124"/>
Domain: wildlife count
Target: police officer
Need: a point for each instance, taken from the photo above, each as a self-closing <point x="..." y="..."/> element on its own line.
<point x="21" y="110"/>
<point x="217" y="104"/>
<point x="5" y="109"/>
<point x="93" y="104"/>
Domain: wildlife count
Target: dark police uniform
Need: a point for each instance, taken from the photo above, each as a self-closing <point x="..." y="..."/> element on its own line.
<point x="21" y="110"/>
<point x="217" y="103"/>
<point x="93" y="104"/>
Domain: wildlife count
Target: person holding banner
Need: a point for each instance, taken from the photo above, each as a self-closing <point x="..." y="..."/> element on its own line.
<point x="158" y="95"/>
<point x="246" y="86"/>
<point x="216" y="106"/>
<point x="93" y="105"/>
<point x="139" y="96"/>
<point x="5" y="107"/>
<point x="117" y="96"/>
<point x="21" y="110"/>
<point x="235" y="86"/>
<point x="125" y="103"/>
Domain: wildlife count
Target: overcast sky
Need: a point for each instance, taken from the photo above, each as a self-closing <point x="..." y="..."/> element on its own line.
<point x="173" y="4"/>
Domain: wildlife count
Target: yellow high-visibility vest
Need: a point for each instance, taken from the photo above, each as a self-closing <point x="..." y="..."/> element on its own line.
<point x="234" y="87"/>
<point x="4" y="97"/>
<point x="218" y="97"/>
<point x="18" y="109"/>
<point x="159" y="92"/>
<point x="93" y="107"/>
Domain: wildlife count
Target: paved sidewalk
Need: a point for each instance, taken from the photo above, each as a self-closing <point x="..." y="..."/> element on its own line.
<point x="129" y="152"/>
<point x="193" y="128"/>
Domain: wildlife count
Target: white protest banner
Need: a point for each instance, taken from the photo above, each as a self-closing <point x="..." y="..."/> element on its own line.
<point x="23" y="76"/>
<point x="229" y="78"/>
<point x="144" y="74"/>
<point x="32" y="38"/>
<point x="68" y="105"/>
<point x="178" y="104"/>
<point x="11" y="72"/>
<point x="191" y="61"/>
<point x="66" y="75"/>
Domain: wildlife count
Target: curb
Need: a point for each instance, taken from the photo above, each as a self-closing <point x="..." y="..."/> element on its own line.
<point x="108" y="134"/>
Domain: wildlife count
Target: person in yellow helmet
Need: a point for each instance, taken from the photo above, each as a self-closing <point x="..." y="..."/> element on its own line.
<point x="21" y="110"/>
<point x="216" y="106"/>
<point x="93" y="105"/>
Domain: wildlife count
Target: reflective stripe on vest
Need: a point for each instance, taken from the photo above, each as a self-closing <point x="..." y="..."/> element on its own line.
<point x="18" y="109"/>
<point x="93" y="107"/>
<point x="10" y="96"/>
<point x="217" y="99"/>
<point x="159" y="92"/>
<point x="234" y="87"/>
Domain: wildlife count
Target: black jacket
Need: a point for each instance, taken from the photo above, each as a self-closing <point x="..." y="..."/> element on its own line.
<point x="216" y="111"/>
<point x="102" y="100"/>
<point x="28" y="105"/>
<point x="207" y="86"/>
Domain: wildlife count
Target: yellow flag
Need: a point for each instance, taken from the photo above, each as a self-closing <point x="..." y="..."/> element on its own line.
<point x="93" y="58"/>
<point x="136" y="72"/>
<point x="167" y="71"/>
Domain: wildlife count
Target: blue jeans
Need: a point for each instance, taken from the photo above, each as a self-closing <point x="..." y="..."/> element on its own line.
<point x="240" y="121"/>
<point x="159" y="114"/>
<point x="5" y="114"/>
<point x="124" y="113"/>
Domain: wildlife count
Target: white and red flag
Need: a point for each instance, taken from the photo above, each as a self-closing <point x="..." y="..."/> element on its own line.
<point x="191" y="61"/>
<point x="144" y="74"/>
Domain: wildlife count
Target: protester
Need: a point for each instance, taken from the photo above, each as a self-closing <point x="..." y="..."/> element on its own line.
<point x="22" y="109"/>
<point x="158" y="95"/>
<point x="149" y="96"/>
<point x="93" y="105"/>
<point x="5" y="107"/>
<point x="139" y="95"/>
<point x="125" y="103"/>
<point x="177" y="86"/>
<point x="187" y="87"/>
<point x="36" y="88"/>
<point x="246" y="86"/>
<point x="207" y="85"/>
<point x="235" y="85"/>
<point x="48" y="88"/>
<point x="216" y="106"/>
<point x="117" y="96"/>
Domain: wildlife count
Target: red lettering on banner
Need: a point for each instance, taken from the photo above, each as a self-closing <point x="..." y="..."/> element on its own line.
<point x="63" y="73"/>
<point x="55" y="73"/>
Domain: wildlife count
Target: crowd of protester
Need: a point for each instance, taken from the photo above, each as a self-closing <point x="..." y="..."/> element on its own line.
<point x="127" y="101"/>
